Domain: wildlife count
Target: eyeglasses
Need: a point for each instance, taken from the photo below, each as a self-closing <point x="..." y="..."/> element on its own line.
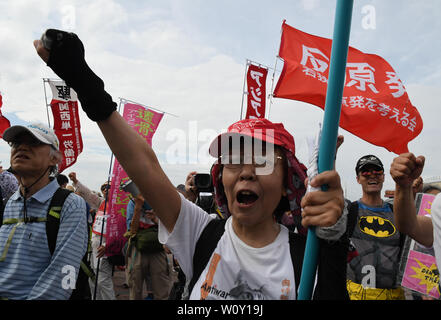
<point x="369" y="173"/>
<point x="236" y="161"/>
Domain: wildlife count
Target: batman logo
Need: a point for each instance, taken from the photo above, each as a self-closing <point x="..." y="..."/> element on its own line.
<point x="376" y="226"/>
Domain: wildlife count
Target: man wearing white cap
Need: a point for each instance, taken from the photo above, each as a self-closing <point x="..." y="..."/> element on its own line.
<point x="28" y="270"/>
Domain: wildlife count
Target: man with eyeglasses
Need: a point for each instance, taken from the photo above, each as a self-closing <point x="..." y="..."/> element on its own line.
<point x="28" y="270"/>
<point x="376" y="243"/>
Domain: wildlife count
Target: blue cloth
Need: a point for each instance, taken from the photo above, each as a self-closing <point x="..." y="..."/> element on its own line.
<point x="28" y="270"/>
<point x="131" y="209"/>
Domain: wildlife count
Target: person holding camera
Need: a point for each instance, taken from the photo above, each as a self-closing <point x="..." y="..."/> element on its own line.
<point x="199" y="190"/>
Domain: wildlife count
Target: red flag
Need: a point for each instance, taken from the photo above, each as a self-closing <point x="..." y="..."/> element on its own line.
<point x="375" y="105"/>
<point x="4" y="122"/>
<point x="256" y="83"/>
<point x="64" y="107"/>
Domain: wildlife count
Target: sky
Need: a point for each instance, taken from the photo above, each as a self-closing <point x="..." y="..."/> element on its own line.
<point x="188" y="59"/>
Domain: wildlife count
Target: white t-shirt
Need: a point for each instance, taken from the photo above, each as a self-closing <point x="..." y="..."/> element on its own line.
<point x="235" y="269"/>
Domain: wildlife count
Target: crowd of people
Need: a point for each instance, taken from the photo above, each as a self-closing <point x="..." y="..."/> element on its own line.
<point x="248" y="243"/>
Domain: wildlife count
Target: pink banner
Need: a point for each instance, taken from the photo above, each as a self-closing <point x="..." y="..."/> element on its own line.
<point x="145" y="122"/>
<point x="421" y="272"/>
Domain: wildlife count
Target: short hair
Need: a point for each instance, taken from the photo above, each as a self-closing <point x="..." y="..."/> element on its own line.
<point x="59" y="157"/>
<point x="62" y="179"/>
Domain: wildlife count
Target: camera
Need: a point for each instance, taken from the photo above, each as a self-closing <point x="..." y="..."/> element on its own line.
<point x="203" y="183"/>
<point x="129" y="187"/>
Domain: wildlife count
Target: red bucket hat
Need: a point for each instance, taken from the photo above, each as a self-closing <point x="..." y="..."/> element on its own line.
<point x="269" y="132"/>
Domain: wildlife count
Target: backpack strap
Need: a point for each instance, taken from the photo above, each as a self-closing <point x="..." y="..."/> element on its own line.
<point x="352" y="217"/>
<point x="332" y="265"/>
<point x="205" y="246"/>
<point x="53" y="217"/>
<point x="2" y="206"/>
<point x="297" y="243"/>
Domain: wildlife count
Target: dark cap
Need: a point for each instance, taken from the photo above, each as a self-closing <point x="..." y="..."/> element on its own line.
<point x="368" y="160"/>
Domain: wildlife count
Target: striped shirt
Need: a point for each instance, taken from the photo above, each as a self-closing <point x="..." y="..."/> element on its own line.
<point x="28" y="271"/>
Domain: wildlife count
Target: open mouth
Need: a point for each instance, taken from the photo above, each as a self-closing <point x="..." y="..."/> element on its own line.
<point x="372" y="183"/>
<point x="21" y="156"/>
<point x="246" y="197"/>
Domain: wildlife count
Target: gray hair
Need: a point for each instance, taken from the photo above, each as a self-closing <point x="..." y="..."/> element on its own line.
<point x="58" y="157"/>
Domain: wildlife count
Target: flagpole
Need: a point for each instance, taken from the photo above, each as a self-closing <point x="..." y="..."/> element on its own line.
<point x="45" y="99"/>
<point x="104" y="213"/>
<point x="328" y="143"/>
<point x="271" y="95"/>
<point x="243" y="88"/>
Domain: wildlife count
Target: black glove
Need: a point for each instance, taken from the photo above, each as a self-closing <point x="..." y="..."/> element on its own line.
<point x="66" y="59"/>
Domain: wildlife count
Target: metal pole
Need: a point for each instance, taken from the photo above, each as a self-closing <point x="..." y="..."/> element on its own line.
<point x="45" y="99"/>
<point x="104" y="213"/>
<point x="243" y="89"/>
<point x="328" y="143"/>
<point x="271" y="95"/>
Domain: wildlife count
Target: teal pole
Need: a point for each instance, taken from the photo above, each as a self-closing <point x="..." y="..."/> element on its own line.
<point x="331" y="120"/>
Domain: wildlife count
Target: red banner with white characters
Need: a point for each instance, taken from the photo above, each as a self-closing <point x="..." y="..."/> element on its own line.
<point x="67" y="127"/>
<point x="4" y="122"/>
<point x="145" y="122"/>
<point x="375" y="105"/>
<point x="256" y="84"/>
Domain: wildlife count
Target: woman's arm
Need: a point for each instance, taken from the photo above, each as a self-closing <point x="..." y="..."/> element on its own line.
<point x="404" y="170"/>
<point x="64" y="54"/>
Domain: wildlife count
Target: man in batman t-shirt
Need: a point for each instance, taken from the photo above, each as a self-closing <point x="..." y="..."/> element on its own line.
<point x="376" y="243"/>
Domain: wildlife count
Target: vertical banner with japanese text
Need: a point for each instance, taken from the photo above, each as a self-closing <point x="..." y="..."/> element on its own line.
<point x="145" y="122"/>
<point x="4" y="122"/>
<point x="256" y="84"/>
<point x="64" y="105"/>
<point x="375" y="104"/>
